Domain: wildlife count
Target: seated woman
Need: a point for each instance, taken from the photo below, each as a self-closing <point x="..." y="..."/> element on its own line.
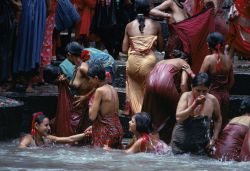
<point x="143" y="141"/>
<point x="40" y="134"/>
<point x="194" y="113"/>
<point x="164" y="86"/>
<point x="230" y="142"/>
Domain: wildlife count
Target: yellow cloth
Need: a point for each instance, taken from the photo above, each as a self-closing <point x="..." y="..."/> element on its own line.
<point x="141" y="60"/>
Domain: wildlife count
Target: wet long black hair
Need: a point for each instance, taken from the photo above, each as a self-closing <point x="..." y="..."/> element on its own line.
<point x="143" y="122"/>
<point x="201" y="79"/>
<point x="96" y="69"/>
<point x="142" y="8"/>
<point x="215" y="40"/>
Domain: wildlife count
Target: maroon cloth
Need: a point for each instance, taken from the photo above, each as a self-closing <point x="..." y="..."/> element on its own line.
<point x="161" y="98"/>
<point x="193" y="33"/>
<point x="69" y="121"/>
<point x="219" y="88"/>
<point x="107" y="130"/>
<point x="228" y="146"/>
<point x="235" y="39"/>
<point x="243" y="6"/>
<point x="245" y="154"/>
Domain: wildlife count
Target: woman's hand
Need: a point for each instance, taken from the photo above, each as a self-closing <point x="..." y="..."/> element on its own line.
<point x="78" y="101"/>
<point x="187" y="68"/>
<point x="88" y="131"/>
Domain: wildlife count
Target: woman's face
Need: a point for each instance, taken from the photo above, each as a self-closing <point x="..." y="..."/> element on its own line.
<point x="132" y="125"/>
<point x="43" y="128"/>
<point x="200" y="90"/>
<point x="75" y="60"/>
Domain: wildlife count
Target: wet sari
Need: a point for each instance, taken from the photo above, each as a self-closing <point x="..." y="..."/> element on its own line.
<point x="239" y="29"/>
<point x="141" y="60"/>
<point x="191" y="136"/>
<point x="228" y="146"/>
<point x="162" y="97"/>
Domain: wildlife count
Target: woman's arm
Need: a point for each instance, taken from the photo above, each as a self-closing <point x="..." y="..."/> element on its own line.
<point x="70" y="139"/>
<point x="184" y="81"/>
<point x="94" y="108"/>
<point x="217" y="118"/>
<point x="158" y="11"/>
<point x="135" y="148"/>
<point x="25" y="142"/>
<point x="125" y="43"/>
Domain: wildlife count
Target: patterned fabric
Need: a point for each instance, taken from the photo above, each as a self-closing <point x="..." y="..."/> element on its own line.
<point x="47" y="42"/>
<point x="141" y="60"/>
<point x="107" y="130"/>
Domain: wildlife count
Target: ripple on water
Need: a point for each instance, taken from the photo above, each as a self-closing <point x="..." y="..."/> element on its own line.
<point x="84" y="158"/>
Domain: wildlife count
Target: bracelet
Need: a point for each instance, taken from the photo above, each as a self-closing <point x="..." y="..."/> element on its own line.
<point x="194" y="105"/>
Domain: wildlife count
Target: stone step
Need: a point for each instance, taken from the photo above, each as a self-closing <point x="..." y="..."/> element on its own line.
<point x="241" y="86"/>
<point x="10" y="118"/>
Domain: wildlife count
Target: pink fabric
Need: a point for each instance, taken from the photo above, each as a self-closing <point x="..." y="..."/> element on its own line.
<point x="193" y="34"/>
<point x="245" y="153"/>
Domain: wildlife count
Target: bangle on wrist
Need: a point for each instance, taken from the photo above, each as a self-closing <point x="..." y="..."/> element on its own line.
<point x="194" y="105"/>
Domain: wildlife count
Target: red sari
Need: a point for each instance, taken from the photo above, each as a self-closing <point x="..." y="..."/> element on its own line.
<point x="239" y="29"/>
<point x="161" y="98"/>
<point x="193" y="33"/>
<point x="69" y="121"/>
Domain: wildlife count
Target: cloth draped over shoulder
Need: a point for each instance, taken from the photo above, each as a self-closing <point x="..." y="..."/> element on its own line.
<point x="141" y="60"/>
<point x="193" y="34"/>
<point x="229" y="144"/>
<point x="239" y="29"/>
<point x="162" y="98"/>
<point x="220" y="20"/>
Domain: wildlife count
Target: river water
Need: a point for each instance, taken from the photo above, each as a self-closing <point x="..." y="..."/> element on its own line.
<point x="61" y="157"/>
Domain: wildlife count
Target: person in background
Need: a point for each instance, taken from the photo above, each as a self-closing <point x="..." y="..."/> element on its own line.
<point x="194" y="113"/>
<point x="30" y="37"/>
<point x="219" y="66"/>
<point x="142" y="35"/>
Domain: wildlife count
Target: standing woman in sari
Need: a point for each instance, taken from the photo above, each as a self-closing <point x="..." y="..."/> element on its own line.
<point x="139" y="42"/>
<point x="220" y="68"/>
